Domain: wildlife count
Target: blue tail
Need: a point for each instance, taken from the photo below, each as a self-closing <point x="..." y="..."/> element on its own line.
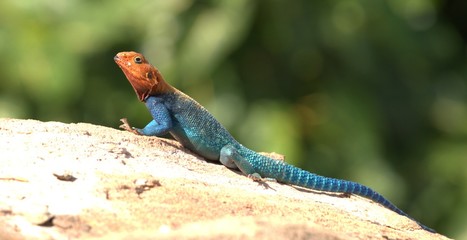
<point x="289" y="174"/>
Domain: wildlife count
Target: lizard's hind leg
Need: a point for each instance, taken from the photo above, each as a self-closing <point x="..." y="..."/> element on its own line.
<point x="230" y="158"/>
<point x="226" y="157"/>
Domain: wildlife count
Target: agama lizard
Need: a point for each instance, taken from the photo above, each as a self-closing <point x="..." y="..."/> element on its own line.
<point x="196" y="129"/>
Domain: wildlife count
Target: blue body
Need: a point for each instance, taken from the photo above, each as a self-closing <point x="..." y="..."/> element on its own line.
<point x="195" y="128"/>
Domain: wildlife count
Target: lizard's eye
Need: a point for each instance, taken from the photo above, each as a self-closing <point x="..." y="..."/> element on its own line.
<point x="138" y="60"/>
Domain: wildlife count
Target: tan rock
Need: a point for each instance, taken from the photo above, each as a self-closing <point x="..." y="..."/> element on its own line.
<point x="127" y="186"/>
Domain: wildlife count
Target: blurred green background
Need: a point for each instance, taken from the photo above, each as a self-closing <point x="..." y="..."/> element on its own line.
<point x="371" y="91"/>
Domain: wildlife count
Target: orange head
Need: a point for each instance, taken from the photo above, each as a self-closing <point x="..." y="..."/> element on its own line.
<point x="145" y="79"/>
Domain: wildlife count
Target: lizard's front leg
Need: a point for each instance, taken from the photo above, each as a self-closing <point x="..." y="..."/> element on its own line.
<point x="161" y="123"/>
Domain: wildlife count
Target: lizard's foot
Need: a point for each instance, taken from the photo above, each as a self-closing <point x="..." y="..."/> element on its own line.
<point x="126" y="126"/>
<point x="257" y="178"/>
<point x="260" y="180"/>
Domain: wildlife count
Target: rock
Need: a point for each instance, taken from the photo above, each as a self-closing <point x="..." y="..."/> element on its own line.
<point x="85" y="181"/>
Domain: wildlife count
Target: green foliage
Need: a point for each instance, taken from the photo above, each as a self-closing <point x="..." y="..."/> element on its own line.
<point x="373" y="91"/>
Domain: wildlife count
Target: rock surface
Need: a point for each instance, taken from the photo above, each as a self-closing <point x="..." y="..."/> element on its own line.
<point x="82" y="181"/>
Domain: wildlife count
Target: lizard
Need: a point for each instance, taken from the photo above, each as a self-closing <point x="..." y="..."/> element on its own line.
<point x="195" y="128"/>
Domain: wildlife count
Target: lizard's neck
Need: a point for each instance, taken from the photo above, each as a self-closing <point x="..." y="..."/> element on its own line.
<point x="162" y="86"/>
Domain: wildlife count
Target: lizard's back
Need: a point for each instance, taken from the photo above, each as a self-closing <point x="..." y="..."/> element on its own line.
<point x="195" y="127"/>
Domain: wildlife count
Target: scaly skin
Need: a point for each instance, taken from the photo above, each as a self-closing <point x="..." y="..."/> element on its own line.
<point x="195" y="128"/>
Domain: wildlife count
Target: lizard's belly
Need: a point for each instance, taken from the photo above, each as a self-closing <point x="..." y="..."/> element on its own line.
<point x="197" y="144"/>
<point x="199" y="131"/>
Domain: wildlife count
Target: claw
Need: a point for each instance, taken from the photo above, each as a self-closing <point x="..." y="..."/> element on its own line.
<point x="255" y="177"/>
<point x="126" y="126"/>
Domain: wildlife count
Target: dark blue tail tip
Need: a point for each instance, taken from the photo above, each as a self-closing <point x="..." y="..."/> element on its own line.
<point x="427" y="228"/>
